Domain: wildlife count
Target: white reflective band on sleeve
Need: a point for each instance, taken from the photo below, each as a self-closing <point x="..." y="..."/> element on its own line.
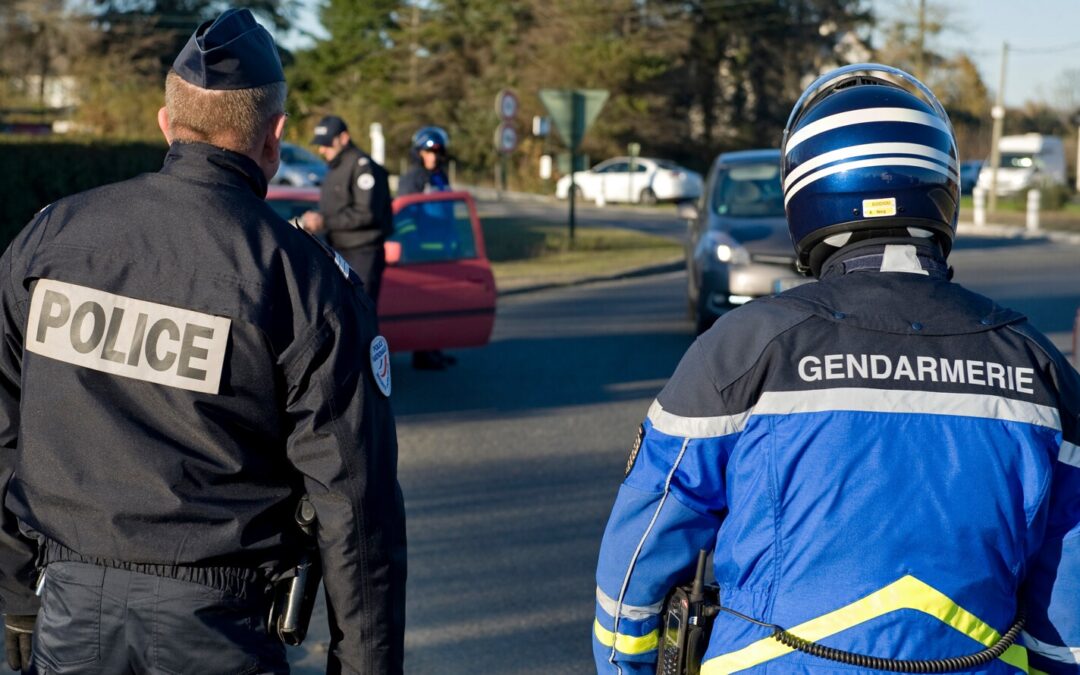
<point x="633" y="612"/>
<point x="1070" y="454"/>
<point x="904" y="401"/>
<point x="124" y="336"/>
<point x="1054" y="652"/>
<point x="695" y="427"/>
<point x="864" y="116"/>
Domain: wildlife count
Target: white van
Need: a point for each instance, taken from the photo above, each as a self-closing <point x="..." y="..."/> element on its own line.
<point x="1028" y="161"/>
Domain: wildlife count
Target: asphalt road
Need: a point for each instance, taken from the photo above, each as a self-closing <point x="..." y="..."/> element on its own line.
<point x="511" y="459"/>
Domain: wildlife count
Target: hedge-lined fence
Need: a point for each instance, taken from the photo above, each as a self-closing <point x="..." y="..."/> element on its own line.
<point x="36" y="171"/>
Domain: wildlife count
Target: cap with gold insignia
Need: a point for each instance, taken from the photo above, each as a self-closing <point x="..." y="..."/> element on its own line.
<point x="230" y="52"/>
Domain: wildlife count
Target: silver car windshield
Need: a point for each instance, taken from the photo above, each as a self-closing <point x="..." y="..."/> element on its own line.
<point x="749" y="191"/>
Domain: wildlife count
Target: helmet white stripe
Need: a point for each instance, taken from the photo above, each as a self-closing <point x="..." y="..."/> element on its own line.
<point x="863" y="163"/>
<point x="868" y="149"/>
<point x="864" y="116"/>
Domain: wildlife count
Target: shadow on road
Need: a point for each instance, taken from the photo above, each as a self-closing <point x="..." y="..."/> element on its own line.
<point x="523" y="374"/>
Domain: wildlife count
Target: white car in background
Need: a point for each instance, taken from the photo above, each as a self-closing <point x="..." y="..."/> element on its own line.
<point x="651" y="181"/>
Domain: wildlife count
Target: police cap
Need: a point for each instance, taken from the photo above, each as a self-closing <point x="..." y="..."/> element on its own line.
<point x="327" y="130"/>
<point x="231" y="52"/>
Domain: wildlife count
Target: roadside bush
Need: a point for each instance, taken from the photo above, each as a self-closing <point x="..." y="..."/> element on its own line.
<point x="1054" y="197"/>
<point x="38" y="171"/>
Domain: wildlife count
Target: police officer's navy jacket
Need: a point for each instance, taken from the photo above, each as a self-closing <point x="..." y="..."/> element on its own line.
<point x="881" y="461"/>
<point x="418" y="179"/>
<point x="355" y="201"/>
<point x="179" y="365"/>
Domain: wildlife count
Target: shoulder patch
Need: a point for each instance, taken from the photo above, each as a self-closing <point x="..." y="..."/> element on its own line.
<point x="634" y="450"/>
<point x="363" y="161"/>
<point x="380" y="364"/>
<point x="366" y="181"/>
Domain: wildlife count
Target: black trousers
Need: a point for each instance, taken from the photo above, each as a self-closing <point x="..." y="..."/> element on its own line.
<point x="368" y="263"/>
<point x="111" y="621"/>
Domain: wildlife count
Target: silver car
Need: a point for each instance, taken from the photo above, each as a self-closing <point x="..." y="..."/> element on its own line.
<point x="299" y="167"/>
<point x="738" y="246"/>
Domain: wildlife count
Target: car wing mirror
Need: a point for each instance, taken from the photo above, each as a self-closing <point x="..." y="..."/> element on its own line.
<point x="393" y="252"/>
<point x="687" y="210"/>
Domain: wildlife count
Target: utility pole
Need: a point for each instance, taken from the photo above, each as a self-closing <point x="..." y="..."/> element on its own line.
<point x="414" y="47"/>
<point x="920" y="45"/>
<point x="998" y="113"/>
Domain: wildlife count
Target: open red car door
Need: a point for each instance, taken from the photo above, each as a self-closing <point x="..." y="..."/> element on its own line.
<point x="438" y="291"/>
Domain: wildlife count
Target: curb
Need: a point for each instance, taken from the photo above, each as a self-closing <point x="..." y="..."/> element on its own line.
<point x="1017" y="232"/>
<point x="648" y="271"/>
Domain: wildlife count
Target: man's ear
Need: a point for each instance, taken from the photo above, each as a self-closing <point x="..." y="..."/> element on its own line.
<point x="163" y="124"/>
<point x="270" y="152"/>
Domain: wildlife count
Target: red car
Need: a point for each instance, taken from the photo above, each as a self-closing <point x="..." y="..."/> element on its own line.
<point x="438" y="291"/>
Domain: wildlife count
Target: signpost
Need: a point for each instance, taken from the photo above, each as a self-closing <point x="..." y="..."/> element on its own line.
<point x="506" y="138"/>
<point x="573" y="111"/>
<point x="633" y="149"/>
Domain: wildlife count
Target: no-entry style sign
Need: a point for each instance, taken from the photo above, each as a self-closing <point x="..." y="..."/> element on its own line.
<point x="506" y="105"/>
<point x="506" y="138"/>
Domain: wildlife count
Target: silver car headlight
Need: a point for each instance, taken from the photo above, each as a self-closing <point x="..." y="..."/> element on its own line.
<point x="727" y="250"/>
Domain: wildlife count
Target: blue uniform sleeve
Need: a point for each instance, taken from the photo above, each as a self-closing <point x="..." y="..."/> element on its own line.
<point x="669" y="507"/>
<point x="1052" y="584"/>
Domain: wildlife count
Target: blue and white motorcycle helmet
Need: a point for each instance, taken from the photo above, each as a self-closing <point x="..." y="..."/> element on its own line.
<point x="868" y="151"/>
<point x="431" y="138"/>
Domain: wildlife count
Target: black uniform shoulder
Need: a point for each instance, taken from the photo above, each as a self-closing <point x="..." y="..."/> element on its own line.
<point x="891" y="302"/>
<point x="712" y="377"/>
<point x="413" y="181"/>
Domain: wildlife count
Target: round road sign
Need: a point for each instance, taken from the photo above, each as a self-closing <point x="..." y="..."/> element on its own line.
<point x="506" y="105"/>
<point x="506" y="138"/>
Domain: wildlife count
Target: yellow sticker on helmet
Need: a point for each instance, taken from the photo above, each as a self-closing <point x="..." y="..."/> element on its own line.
<point x="877" y="208"/>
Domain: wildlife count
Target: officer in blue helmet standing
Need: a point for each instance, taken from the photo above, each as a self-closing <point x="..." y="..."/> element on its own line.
<point x="428" y="174"/>
<point x="884" y="466"/>
<point x="180" y="367"/>
<point x="428" y="170"/>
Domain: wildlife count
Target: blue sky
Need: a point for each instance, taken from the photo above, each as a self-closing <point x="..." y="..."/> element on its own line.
<point x="1043" y="36"/>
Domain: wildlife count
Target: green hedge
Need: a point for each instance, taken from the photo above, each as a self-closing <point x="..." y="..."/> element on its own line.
<point x="36" y="171"/>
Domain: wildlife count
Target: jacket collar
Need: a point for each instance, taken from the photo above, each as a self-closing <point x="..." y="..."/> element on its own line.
<point x="205" y="163"/>
<point x="911" y="256"/>
<point x="349" y="149"/>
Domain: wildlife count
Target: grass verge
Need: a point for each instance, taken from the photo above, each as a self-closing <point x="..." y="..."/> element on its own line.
<point x="526" y="252"/>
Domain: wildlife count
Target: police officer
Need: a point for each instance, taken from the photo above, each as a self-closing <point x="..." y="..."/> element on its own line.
<point x="179" y="367"/>
<point x="428" y="174"/>
<point x="428" y="170"/>
<point x="882" y="461"/>
<point x="354" y="206"/>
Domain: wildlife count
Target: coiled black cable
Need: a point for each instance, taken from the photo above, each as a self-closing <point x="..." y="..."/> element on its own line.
<point x="947" y="665"/>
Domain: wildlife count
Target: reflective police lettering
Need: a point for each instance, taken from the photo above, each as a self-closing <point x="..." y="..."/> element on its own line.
<point x="916" y="369"/>
<point x="124" y="336"/>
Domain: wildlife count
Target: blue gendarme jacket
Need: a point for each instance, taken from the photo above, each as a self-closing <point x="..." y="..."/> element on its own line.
<point x="883" y="462"/>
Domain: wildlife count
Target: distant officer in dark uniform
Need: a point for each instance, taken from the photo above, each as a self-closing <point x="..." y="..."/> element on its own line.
<point x="179" y="367"/>
<point x="354" y="207"/>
